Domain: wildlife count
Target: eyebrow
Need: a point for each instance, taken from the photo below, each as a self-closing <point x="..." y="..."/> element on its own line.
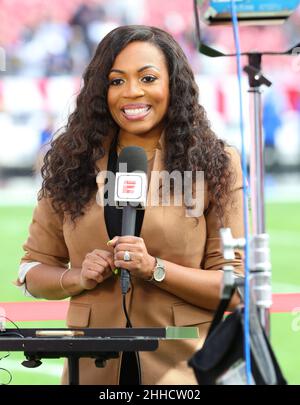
<point x="139" y="70"/>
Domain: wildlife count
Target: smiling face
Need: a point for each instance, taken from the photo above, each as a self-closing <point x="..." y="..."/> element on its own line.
<point x="138" y="93"/>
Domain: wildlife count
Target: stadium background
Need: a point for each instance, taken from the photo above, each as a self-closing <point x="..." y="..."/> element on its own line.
<point x="47" y="45"/>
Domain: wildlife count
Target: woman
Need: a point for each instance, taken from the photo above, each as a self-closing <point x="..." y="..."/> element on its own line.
<point x="138" y="90"/>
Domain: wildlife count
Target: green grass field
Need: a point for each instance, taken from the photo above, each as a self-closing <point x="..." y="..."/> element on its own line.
<point x="283" y="223"/>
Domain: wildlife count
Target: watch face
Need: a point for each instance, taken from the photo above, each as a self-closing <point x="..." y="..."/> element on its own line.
<point x="159" y="274"/>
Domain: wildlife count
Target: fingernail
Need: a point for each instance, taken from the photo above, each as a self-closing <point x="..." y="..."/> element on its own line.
<point x="108" y="243"/>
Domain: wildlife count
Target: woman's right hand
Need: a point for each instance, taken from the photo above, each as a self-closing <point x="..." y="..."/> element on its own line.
<point x="97" y="266"/>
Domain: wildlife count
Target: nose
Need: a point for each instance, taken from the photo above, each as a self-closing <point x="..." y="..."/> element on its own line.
<point x="133" y="89"/>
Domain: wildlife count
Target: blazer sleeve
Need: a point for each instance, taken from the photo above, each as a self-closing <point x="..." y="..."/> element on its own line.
<point x="45" y="243"/>
<point x="213" y="258"/>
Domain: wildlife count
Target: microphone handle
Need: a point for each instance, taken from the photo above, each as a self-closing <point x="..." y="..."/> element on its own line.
<point x="128" y="228"/>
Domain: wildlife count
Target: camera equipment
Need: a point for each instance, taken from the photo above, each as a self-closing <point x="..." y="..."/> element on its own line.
<point x="216" y="12"/>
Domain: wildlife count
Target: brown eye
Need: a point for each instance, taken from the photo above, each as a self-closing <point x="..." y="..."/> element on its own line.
<point x="116" y="82"/>
<point x="149" y="79"/>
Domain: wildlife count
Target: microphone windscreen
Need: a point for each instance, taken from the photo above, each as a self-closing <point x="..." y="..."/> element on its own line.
<point x="135" y="158"/>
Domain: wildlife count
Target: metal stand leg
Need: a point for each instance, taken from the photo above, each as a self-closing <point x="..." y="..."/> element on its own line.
<point x="73" y="366"/>
<point x="260" y="267"/>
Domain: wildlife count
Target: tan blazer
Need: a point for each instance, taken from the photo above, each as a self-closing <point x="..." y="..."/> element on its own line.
<point x="168" y="234"/>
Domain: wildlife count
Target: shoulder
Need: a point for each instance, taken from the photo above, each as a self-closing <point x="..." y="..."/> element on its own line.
<point x="235" y="165"/>
<point x="234" y="155"/>
<point x="45" y="211"/>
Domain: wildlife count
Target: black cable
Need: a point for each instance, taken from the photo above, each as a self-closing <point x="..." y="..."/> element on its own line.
<point x="10" y="376"/>
<point x="4" y="369"/>
<point x="129" y="325"/>
<point x="138" y="363"/>
<point x="113" y="220"/>
<point x="8" y="333"/>
<point x="3" y="316"/>
<point x="137" y="355"/>
<point x="5" y="357"/>
<point x="11" y="334"/>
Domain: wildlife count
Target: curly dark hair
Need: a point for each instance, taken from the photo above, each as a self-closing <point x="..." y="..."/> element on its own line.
<point x="69" y="170"/>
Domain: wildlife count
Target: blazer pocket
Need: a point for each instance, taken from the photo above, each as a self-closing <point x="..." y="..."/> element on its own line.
<point x="187" y="315"/>
<point x="78" y="315"/>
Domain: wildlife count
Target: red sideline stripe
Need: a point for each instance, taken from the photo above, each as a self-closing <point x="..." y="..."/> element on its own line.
<point x="35" y="311"/>
<point x="285" y="302"/>
<point x="57" y="310"/>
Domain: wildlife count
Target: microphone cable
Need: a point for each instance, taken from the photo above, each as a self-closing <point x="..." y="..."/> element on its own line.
<point x="10" y="377"/>
<point x="8" y="333"/>
<point x="129" y="325"/>
<point x="132" y="159"/>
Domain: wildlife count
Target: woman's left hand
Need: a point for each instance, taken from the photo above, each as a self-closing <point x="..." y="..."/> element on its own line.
<point x="141" y="263"/>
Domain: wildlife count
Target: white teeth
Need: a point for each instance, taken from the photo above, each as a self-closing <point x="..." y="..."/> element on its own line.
<point x="136" y="111"/>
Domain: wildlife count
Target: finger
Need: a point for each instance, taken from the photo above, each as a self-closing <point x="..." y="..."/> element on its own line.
<point x="101" y="253"/>
<point x="94" y="275"/>
<point x="96" y="259"/>
<point x="113" y="241"/>
<point x="124" y="265"/>
<point x="120" y="256"/>
<point x="131" y="247"/>
<point x="99" y="267"/>
<point x="111" y="262"/>
<point x="130" y="239"/>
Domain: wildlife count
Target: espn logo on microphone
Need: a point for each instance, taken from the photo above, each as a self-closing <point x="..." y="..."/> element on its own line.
<point x="131" y="188"/>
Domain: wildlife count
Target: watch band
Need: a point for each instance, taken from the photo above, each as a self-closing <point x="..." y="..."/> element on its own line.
<point x="152" y="275"/>
<point x="160" y="264"/>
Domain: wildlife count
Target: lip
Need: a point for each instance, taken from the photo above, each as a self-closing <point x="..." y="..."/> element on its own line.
<point x="136" y="105"/>
<point x="136" y="117"/>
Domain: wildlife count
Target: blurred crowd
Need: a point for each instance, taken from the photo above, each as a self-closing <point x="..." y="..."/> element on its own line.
<point x="49" y="44"/>
<point x="50" y="47"/>
<point x="43" y="39"/>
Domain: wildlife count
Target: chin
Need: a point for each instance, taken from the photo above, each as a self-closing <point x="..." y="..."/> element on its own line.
<point x="137" y="129"/>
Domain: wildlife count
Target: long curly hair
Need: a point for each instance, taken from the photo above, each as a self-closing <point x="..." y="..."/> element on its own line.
<point x="69" y="170"/>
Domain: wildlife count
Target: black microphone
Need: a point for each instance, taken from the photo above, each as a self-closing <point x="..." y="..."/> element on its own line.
<point x="130" y="194"/>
